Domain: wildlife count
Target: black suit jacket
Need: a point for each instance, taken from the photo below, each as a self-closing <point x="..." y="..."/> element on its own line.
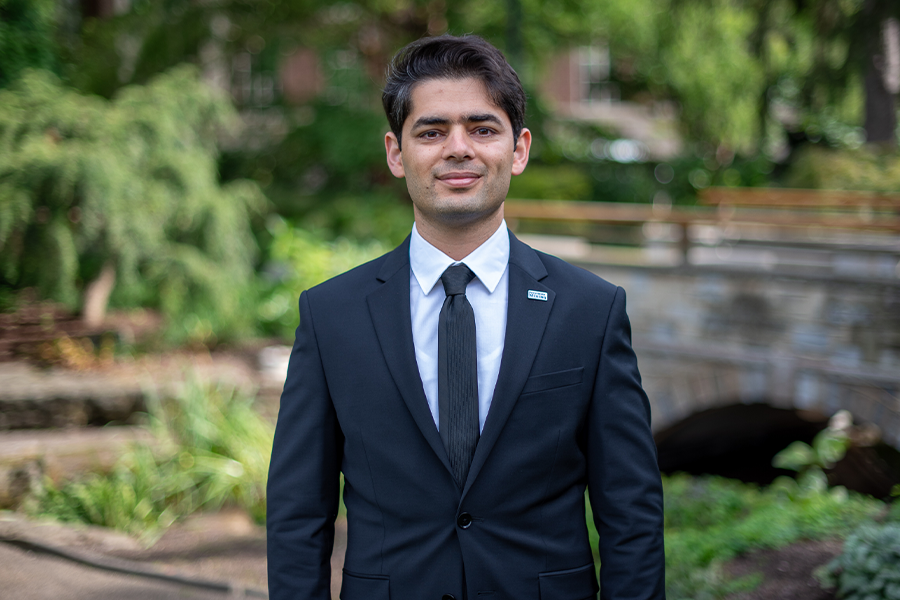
<point x="568" y="411"/>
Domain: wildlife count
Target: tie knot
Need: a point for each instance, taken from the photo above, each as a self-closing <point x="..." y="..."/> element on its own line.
<point x="456" y="278"/>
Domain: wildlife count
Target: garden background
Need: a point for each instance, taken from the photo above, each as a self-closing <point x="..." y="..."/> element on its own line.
<point x="174" y="173"/>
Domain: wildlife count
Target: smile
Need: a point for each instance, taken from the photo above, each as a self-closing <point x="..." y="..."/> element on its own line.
<point x="459" y="178"/>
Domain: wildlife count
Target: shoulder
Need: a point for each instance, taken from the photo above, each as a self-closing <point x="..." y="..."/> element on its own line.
<point x="556" y="272"/>
<point x="562" y="272"/>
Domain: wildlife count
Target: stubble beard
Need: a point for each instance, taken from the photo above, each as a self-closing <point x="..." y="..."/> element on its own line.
<point x="458" y="210"/>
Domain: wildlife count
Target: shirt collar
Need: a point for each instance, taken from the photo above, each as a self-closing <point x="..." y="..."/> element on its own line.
<point x="488" y="261"/>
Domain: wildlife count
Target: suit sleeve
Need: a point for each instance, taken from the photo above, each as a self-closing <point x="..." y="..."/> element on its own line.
<point x="303" y="484"/>
<point x="623" y="475"/>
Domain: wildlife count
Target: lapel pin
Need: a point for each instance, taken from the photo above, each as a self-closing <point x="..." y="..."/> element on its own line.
<point x="536" y="295"/>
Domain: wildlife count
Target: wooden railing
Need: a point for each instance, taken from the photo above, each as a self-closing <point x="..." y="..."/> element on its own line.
<point x="799" y="199"/>
<point x="780" y="209"/>
<point x="754" y="207"/>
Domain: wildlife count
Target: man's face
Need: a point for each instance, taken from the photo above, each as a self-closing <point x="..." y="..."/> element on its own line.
<point x="458" y="153"/>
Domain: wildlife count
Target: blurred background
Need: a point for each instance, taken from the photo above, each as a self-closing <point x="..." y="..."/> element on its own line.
<point x="173" y="173"/>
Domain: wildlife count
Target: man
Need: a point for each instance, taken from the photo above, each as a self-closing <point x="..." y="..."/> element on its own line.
<point x="467" y="386"/>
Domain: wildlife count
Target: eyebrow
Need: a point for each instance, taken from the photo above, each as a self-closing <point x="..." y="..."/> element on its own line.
<point x="478" y="118"/>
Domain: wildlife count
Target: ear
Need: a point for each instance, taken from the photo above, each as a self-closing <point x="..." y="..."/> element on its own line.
<point x="520" y="154"/>
<point x="394" y="156"/>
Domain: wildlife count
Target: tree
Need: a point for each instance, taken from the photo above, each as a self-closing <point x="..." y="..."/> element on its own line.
<point x="95" y="193"/>
<point x="746" y="73"/>
<point x="26" y="37"/>
<point x="760" y="74"/>
<point x="756" y="77"/>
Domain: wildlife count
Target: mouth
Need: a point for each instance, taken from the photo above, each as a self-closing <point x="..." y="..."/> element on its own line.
<point x="459" y="179"/>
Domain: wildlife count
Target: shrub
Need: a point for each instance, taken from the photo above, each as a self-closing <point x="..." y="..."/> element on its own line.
<point x="211" y="448"/>
<point x="126" y="192"/>
<point x="551" y="182"/>
<point x="829" y="446"/>
<point x="300" y="260"/>
<point x="869" y="567"/>
<point x="862" y="169"/>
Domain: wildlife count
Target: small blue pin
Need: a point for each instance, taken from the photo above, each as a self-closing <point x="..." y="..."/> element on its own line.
<point x="536" y="295"/>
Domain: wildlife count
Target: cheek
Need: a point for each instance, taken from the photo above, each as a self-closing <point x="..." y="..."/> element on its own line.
<point x="416" y="181"/>
<point x="414" y="173"/>
<point x="503" y="166"/>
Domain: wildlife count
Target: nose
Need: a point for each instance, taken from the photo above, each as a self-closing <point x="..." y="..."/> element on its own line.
<point x="458" y="145"/>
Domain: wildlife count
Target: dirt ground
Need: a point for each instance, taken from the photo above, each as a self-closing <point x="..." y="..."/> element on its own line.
<point x="225" y="547"/>
<point x="787" y="572"/>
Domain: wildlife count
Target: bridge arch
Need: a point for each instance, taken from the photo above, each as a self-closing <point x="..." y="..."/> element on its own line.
<point x="735" y="440"/>
<point x="767" y="350"/>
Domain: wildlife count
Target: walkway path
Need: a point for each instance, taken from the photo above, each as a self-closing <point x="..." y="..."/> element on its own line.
<point x="225" y="548"/>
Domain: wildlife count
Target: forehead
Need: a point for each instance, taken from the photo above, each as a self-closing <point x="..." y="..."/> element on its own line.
<point x="451" y="99"/>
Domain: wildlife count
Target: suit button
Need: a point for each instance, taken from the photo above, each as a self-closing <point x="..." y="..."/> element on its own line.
<point x="464" y="520"/>
<point x="448" y="597"/>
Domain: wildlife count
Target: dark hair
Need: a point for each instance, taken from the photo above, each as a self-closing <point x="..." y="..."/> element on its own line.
<point x="451" y="57"/>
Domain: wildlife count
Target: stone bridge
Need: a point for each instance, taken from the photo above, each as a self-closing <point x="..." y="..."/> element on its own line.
<point x="812" y="334"/>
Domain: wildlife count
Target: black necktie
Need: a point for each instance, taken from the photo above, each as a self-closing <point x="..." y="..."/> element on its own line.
<point x="458" y="373"/>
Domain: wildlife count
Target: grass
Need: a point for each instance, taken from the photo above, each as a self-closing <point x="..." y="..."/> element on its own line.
<point x="211" y="448"/>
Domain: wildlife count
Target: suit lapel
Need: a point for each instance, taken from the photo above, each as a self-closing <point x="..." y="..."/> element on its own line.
<point x="525" y="323"/>
<point x="389" y="309"/>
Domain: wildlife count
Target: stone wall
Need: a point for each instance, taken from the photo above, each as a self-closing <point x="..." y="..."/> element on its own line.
<point x="708" y="337"/>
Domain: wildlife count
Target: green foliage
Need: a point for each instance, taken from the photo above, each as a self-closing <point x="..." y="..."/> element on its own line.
<point x="329" y="173"/>
<point x="861" y="169"/>
<point x="551" y="182"/>
<point x="720" y="90"/>
<point x="711" y="520"/>
<point x="300" y="260"/>
<point x="374" y="217"/>
<point x="133" y="182"/>
<point x="153" y="37"/>
<point x="217" y="437"/>
<point x="26" y="37"/>
<point x="869" y="566"/>
<point x="574" y="165"/>
<point x="614" y="182"/>
<point x="139" y="497"/>
<point x="743" y="72"/>
<point x="339" y="147"/>
<point x="211" y="448"/>
<point x="828" y="447"/>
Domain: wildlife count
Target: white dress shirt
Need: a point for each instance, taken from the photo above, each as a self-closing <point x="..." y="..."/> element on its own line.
<point x="487" y="294"/>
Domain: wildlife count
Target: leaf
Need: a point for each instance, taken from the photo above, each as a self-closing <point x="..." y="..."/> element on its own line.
<point x="830" y="447"/>
<point x="813" y="481"/>
<point x="795" y="457"/>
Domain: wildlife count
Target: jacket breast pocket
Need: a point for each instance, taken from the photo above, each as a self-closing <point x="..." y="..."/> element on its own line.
<point x="571" y="584"/>
<point x="356" y="586"/>
<point x="549" y="381"/>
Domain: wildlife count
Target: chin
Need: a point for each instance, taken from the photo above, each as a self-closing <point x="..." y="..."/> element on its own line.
<point x="465" y="213"/>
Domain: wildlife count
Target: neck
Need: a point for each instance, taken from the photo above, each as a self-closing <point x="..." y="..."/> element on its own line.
<point x="458" y="242"/>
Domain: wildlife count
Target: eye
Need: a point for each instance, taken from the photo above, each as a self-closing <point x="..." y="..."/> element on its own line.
<point x="484" y="131"/>
<point x="430" y="134"/>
